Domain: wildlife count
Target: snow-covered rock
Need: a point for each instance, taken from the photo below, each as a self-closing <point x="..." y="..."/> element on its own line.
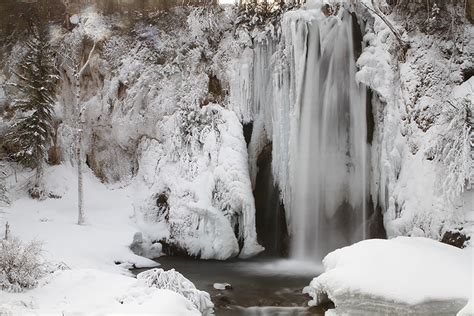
<point x="401" y="275"/>
<point x="176" y="282"/>
<point x="145" y="247"/>
<point x="222" y="286"/>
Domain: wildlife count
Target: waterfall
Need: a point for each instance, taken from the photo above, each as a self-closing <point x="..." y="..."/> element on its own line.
<point x="301" y="95"/>
<point x="329" y="189"/>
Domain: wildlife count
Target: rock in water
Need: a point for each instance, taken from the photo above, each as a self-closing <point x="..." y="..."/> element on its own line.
<point x="222" y="286"/>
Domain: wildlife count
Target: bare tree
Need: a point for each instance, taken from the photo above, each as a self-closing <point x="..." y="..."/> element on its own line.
<point x="74" y="62"/>
<point x="76" y="57"/>
<point x="80" y="133"/>
<point x="7" y="231"/>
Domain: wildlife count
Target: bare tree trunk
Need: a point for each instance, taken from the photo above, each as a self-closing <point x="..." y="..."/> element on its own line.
<point x="470" y="122"/>
<point x="80" y="127"/>
<point x="80" y="132"/>
<point x="7" y="231"/>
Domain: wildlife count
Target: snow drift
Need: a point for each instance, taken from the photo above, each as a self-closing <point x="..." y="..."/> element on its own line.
<point x="401" y="275"/>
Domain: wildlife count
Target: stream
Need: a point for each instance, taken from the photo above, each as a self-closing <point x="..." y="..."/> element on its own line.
<point x="260" y="286"/>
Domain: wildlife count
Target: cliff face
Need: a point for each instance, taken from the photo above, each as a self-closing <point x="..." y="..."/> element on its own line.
<point x="420" y="103"/>
<point x="166" y="98"/>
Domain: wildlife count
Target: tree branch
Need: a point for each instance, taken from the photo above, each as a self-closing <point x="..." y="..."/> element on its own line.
<point x="379" y="13"/>
<point x="88" y="60"/>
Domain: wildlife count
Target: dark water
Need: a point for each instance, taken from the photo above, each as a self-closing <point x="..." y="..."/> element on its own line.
<point x="259" y="286"/>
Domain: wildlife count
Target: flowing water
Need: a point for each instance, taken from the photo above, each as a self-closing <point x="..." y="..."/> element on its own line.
<point x="330" y="188"/>
<point x="259" y="286"/>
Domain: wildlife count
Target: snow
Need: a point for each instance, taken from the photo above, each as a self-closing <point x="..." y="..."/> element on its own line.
<point x="467" y="310"/>
<point x="396" y="273"/>
<point x="176" y="282"/>
<point x="89" y="254"/>
<point x="100" y="243"/>
<point x="147" y="126"/>
<point x="97" y="292"/>
<point x="416" y="188"/>
<point x="222" y="286"/>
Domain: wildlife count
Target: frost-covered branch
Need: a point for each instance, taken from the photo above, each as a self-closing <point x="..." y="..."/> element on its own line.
<point x="453" y="148"/>
<point x="405" y="45"/>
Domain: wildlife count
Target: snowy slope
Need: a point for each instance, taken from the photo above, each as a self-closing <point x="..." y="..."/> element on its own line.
<point x="100" y="243"/>
<point x="92" y="281"/>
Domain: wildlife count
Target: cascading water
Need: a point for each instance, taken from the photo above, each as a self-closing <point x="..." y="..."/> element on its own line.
<point x="329" y="189"/>
<point x="301" y="95"/>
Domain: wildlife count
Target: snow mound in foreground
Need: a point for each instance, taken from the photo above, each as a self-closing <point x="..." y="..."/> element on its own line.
<point x="90" y="291"/>
<point x="468" y="310"/>
<point x="176" y="282"/>
<point x="398" y="275"/>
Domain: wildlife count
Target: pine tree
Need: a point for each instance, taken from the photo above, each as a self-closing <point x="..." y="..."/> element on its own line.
<point x="31" y="133"/>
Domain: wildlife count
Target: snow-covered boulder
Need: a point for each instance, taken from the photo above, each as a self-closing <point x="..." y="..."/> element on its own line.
<point x="400" y="275"/>
<point x="176" y="282"/>
<point x="194" y="185"/>
<point x="145" y="247"/>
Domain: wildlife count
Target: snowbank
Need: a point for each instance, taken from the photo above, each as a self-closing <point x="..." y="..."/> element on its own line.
<point x="398" y="275"/>
<point x="468" y="310"/>
<point x="100" y="293"/>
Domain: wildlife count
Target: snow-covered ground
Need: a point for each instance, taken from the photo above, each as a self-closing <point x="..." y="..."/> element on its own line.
<point x="400" y="275"/>
<point x="92" y="281"/>
<point x="92" y="291"/>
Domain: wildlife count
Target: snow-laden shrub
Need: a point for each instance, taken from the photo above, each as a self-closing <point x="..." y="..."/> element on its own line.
<point x="202" y="21"/>
<point x="176" y="282"/>
<point x="21" y="265"/>
<point x="453" y="149"/>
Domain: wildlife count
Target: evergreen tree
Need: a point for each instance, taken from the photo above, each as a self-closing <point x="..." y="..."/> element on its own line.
<point x="32" y="130"/>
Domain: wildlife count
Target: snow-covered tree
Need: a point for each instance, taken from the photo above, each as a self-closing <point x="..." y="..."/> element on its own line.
<point x="453" y="148"/>
<point x="32" y="129"/>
